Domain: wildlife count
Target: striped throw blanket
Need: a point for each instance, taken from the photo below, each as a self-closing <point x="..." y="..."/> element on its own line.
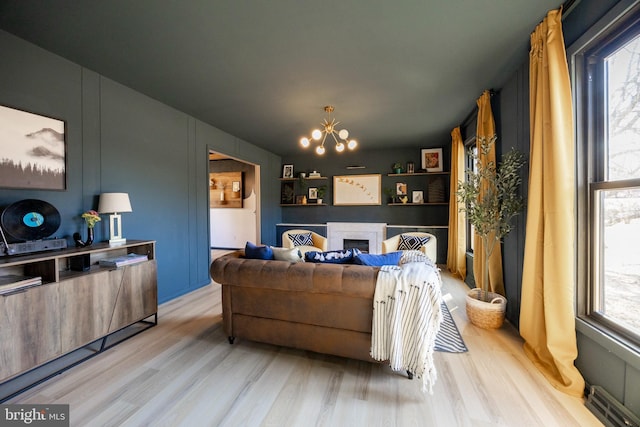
<point x="406" y="319"/>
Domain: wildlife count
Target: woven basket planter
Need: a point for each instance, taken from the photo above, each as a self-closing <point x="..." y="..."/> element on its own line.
<point x="487" y="315"/>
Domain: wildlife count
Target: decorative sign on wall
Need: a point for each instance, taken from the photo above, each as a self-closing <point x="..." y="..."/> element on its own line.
<point x="350" y="190"/>
<point x="225" y="189"/>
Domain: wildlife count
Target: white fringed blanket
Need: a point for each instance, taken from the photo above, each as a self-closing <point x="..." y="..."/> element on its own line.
<point x="406" y="319"/>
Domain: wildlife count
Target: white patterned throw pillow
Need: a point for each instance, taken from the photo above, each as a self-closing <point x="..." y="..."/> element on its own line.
<point x="412" y="243"/>
<point x="302" y="239"/>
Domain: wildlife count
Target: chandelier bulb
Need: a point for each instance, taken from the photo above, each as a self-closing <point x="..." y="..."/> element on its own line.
<point x="352" y="144"/>
<point x="343" y="134"/>
<point x="316" y="134"/>
<point x="320" y="150"/>
<point x="339" y="147"/>
<point x="304" y="142"/>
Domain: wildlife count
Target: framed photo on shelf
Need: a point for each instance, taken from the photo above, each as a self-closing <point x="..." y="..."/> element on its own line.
<point x="287" y="171"/>
<point x="313" y="193"/>
<point x="34" y="151"/>
<point x="432" y="159"/>
<point x="417" y="197"/>
<point x="401" y="188"/>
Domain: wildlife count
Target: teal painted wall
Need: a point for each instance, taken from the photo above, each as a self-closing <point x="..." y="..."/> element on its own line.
<point x="120" y="140"/>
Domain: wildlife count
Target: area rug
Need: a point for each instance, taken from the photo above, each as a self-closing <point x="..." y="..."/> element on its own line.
<point x="448" y="339"/>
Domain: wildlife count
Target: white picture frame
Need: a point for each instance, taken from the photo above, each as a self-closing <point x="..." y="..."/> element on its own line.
<point x="357" y="190"/>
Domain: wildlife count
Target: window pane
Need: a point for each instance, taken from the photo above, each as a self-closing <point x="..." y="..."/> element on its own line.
<point x="623" y="108"/>
<point x="620" y="292"/>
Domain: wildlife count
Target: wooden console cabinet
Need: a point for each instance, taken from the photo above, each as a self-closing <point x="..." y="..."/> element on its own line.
<point x="71" y="309"/>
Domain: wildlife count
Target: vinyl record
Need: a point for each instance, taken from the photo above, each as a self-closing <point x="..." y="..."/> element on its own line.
<point x="30" y="219"/>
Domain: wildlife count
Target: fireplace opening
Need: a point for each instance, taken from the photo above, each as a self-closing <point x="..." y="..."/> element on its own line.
<point x="362" y="245"/>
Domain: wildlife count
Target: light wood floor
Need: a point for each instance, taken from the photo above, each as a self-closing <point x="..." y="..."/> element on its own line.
<point x="183" y="372"/>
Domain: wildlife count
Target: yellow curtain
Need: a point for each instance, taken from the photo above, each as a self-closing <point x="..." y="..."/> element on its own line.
<point x="547" y="319"/>
<point x="456" y="258"/>
<point x="486" y="128"/>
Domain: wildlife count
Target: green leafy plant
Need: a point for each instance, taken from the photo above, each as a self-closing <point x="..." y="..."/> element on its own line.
<point x="491" y="213"/>
<point x="322" y="191"/>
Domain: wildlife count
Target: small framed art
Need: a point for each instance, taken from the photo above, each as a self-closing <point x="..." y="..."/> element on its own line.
<point x="432" y="159"/>
<point x="313" y="193"/>
<point x="401" y="188"/>
<point x="287" y="171"/>
<point x="417" y="197"/>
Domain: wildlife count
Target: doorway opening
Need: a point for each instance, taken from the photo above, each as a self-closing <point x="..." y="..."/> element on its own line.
<point x="234" y="202"/>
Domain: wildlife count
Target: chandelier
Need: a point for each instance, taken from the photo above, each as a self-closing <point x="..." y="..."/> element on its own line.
<point x="329" y="128"/>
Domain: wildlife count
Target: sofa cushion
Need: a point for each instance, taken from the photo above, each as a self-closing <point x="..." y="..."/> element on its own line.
<point x="286" y="254"/>
<point x="254" y="251"/>
<point x="302" y="239"/>
<point x="391" y="258"/>
<point x="332" y="257"/>
<point x="415" y="256"/>
<point x="409" y="242"/>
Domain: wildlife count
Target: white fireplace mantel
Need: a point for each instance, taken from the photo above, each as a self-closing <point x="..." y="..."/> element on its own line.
<point x="373" y="232"/>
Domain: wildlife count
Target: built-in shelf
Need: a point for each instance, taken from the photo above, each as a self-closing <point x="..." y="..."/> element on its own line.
<point x="301" y="204"/>
<point x="418" y="174"/>
<point x="307" y="178"/>
<point x="419" y="204"/>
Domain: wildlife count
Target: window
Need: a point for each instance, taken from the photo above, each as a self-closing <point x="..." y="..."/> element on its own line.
<point x="607" y="81"/>
<point x="470" y="151"/>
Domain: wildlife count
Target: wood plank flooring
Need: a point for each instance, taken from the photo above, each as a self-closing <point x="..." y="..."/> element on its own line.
<point x="183" y="372"/>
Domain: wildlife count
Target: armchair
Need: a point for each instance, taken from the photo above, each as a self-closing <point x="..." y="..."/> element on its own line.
<point x="429" y="249"/>
<point x="319" y="243"/>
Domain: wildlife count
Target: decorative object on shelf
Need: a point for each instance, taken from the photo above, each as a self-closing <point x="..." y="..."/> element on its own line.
<point x="320" y="193"/>
<point x="115" y="204"/>
<point x="313" y="193"/>
<point x="91" y="217"/>
<point x="403" y="199"/>
<point x="287" y="193"/>
<point x="314" y="174"/>
<point x="303" y="175"/>
<point x="489" y="198"/>
<point x="401" y="188"/>
<point x="287" y="171"/>
<point x="397" y="167"/>
<point x="329" y="128"/>
<point x="353" y="190"/>
<point x="389" y="193"/>
<point x="432" y="159"/>
<point x="417" y="197"/>
<point x="436" y="190"/>
<point x="411" y="167"/>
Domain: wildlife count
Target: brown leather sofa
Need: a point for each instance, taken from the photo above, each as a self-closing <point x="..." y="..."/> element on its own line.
<point x="325" y="308"/>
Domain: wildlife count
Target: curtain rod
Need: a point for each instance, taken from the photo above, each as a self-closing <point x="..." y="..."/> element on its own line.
<point x="568" y="7"/>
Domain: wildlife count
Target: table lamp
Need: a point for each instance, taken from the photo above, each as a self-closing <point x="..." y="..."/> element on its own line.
<point x="114" y="204"/>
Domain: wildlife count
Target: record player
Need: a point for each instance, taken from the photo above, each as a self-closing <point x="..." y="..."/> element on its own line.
<point x="25" y="227"/>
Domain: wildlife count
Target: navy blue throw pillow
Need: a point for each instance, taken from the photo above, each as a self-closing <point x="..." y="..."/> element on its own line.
<point x="392" y="258"/>
<point x="332" y="257"/>
<point x="257" y="252"/>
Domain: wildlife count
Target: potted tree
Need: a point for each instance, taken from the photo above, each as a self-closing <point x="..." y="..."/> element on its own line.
<point x="490" y="214"/>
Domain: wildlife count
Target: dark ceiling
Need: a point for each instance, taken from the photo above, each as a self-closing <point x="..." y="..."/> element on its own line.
<point x="399" y="73"/>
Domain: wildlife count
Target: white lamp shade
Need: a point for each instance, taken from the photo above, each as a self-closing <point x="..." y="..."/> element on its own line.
<point x="114" y="202"/>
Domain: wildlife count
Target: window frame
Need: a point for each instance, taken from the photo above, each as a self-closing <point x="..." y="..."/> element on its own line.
<point x="469" y="144"/>
<point x="588" y="78"/>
